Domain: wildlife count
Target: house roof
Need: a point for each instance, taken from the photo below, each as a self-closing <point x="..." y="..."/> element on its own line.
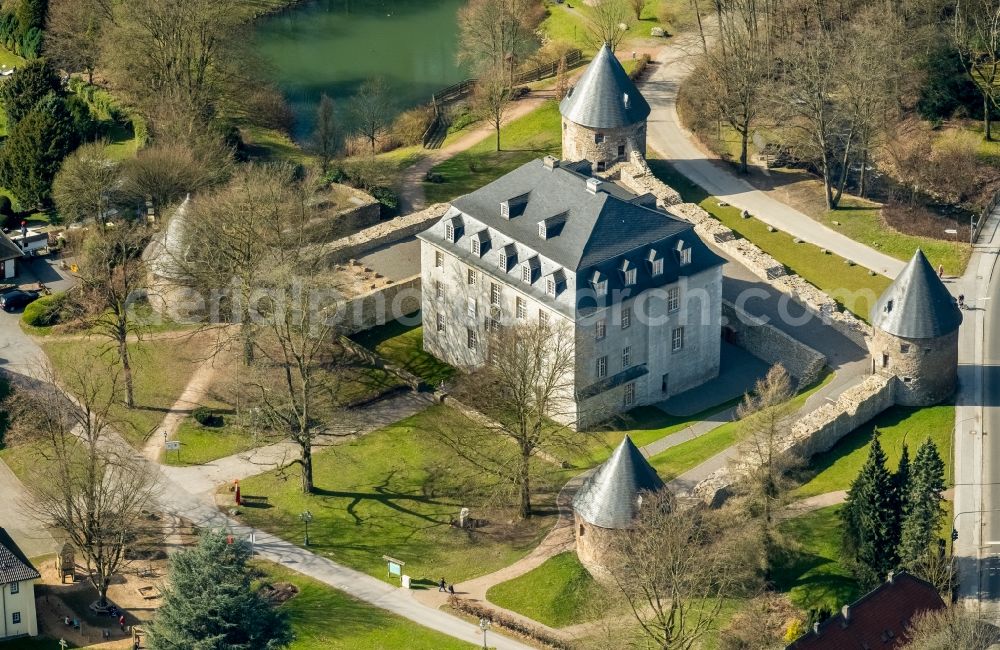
<point x="610" y="496"/>
<point x="876" y="620"/>
<point x="604" y="97"/>
<point x="599" y="226"/>
<point x="916" y="305"/>
<point x="8" y="249"/>
<point x="14" y="566"/>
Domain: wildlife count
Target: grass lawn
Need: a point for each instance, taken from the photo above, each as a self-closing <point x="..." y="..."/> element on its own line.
<point x="324" y="618"/>
<point x="531" y="136"/>
<point x="200" y="444"/>
<point x="161" y="369"/>
<point x="811" y="572"/>
<point x="395" y="492"/>
<point x="675" y="461"/>
<point x="404" y="346"/>
<point x="10" y="60"/>
<point x="569" y="22"/>
<point x="272" y="145"/>
<point x="558" y="593"/>
<point x="851" y="286"/>
<point x="835" y="469"/>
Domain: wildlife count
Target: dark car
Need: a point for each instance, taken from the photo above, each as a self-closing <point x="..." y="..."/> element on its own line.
<point x="17" y="299"/>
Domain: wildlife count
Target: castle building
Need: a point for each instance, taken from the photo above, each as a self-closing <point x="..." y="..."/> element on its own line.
<point x="608" y="503"/>
<point x="603" y="115"/>
<point x="17" y="591"/>
<point x="915" y="335"/>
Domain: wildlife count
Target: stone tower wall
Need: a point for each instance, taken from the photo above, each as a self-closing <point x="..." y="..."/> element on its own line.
<point x="927" y="369"/>
<point x="580" y="143"/>
<point x="594" y="546"/>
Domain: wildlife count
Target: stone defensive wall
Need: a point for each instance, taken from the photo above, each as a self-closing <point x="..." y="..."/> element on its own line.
<point x="771" y="345"/>
<point x="389" y="232"/>
<point x="380" y="306"/>
<point x="637" y="176"/>
<point x="815" y="432"/>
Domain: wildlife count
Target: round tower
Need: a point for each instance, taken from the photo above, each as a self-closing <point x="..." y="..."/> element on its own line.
<point x="603" y="115"/>
<point x="608" y="503"/>
<point x="915" y="335"/>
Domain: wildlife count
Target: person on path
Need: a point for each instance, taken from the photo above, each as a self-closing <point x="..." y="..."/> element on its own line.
<point x="961" y="301"/>
<point x="940" y="270"/>
<point x="451" y="589"/>
<point x="121" y="622"/>
<point x="441" y="585"/>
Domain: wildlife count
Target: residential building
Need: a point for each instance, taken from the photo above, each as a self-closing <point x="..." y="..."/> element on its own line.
<point x="17" y="591"/>
<point x="637" y="290"/>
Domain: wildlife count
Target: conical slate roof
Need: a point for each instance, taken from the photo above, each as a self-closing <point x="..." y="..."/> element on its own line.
<point x="604" y="97"/>
<point x="609" y="497"/>
<point x="916" y="305"/>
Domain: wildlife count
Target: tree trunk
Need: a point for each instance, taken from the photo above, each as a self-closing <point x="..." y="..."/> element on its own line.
<point x="862" y="182"/>
<point x="307" y="467"/>
<point x="987" y="119"/>
<point x="127" y="370"/>
<point x="744" y="144"/>
<point x="247" y="335"/>
<point x="498" y="136"/>
<point x="525" y="469"/>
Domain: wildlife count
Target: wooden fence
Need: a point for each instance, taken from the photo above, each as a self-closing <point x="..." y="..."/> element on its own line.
<point x="978" y="229"/>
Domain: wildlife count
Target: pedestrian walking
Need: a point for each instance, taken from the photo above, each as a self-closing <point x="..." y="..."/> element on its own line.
<point x="961" y="301"/>
<point x="451" y="589"/>
<point x="442" y="584"/>
<point x="940" y="270"/>
<point x="121" y="622"/>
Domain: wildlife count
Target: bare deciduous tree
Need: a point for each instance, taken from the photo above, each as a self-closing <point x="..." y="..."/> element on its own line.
<point x="526" y="388"/>
<point x="370" y="111"/>
<point x="677" y="566"/>
<point x="90" y="485"/>
<point x="976" y="35"/>
<point x="88" y="184"/>
<point x="73" y="33"/>
<point x="955" y="628"/>
<point x="165" y="172"/>
<point x="326" y="134"/>
<point x="491" y="99"/>
<point x="605" y="23"/>
<point x="496" y="34"/>
<point x="637" y="6"/>
<point x="762" y="466"/>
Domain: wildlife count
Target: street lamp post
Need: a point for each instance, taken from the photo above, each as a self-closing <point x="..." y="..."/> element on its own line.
<point x="484" y="624"/>
<point x="306" y="517"/>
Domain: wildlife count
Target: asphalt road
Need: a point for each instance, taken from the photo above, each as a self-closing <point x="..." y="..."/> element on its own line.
<point x="991" y="441"/>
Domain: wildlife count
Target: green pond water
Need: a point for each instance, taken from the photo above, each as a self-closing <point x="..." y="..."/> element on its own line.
<point x="332" y="46"/>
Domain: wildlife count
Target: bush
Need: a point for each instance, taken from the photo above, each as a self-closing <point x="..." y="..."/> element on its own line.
<point x="46" y="311"/>
<point x="409" y="127"/>
<point x="387" y="197"/>
<point x="206" y="417"/>
<point x="461" y="117"/>
<point x="6" y="207"/>
<point x="508" y="622"/>
<point x="640" y="67"/>
<point x="519" y="92"/>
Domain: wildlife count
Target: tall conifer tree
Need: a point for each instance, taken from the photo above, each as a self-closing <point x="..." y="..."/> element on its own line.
<point x="923" y="512"/>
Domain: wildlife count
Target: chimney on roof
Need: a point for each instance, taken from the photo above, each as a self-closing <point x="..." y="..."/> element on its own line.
<point x="594" y="185"/>
<point x="816" y="628"/>
<point x="550" y="162"/>
<point x="845" y="612"/>
<point x="892" y="577"/>
<point x="625" y="99"/>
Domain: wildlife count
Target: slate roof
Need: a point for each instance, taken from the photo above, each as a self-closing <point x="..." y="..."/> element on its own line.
<point x="599" y="226"/>
<point x="609" y="497"/>
<point x="604" y="97"/>
<point x="916" y="305"/>
<point x="14" y="566"/>
<point x="878" y="620"/>
<point x="8" y="249"/>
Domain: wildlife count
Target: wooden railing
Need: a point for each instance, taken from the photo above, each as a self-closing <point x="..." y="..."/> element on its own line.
<point x="465" y="88"/>
<point x="978" y="229"/>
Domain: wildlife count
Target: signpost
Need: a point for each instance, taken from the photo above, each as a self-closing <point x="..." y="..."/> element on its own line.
<point x="174" y="445"/>
<point x="395" y="567"/>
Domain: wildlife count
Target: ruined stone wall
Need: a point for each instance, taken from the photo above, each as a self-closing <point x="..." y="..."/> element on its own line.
<point x="389" y="232"/>
<point x="351" y="221"/>
<point x="638" y="177"/>
<point x="380" y="306"/>
<point x="927" y="368"/>
<point x="771" y="345"/>
<point x="580" y="143"/>
<point x="817" y="431"/>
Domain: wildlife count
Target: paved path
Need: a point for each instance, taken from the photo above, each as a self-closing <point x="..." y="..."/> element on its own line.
<point x="411" y="188"/>
<point x="676" y="144"/>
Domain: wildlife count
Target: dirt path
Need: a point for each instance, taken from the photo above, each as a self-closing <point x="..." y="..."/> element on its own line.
<point x="411" y="188"/>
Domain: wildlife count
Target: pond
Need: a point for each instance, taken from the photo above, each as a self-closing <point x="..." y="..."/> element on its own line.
<point x="332" y="46"/>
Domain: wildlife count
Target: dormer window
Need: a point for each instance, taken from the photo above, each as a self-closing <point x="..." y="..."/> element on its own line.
<point x="506" y="257"/>
<point x="449" y="232"/>
<point x="683" y="253"/>
<point x="505" y="210"/>
<point x="515" y="206"/>
<point x="475" y="247"/>
<point x="542" y="230"/>
<point x="599" y="283"/>
<point x="628" y="273"/>
<point x="655" y="263"/>
<point x="551" y="227"/>
<point x="555" y="282"/>
<point x="550" y="286"/>
<point x="529" y="270"/>
<point x="480" y="242"/>
<point x="453" y="229"/>
<point x="526" y="274"/>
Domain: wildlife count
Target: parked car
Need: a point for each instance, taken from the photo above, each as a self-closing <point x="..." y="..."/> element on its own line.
<point x="17" y="299"/>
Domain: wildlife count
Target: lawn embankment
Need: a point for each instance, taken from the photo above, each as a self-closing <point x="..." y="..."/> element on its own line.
<point x="403" y="345"/>
<point x="397" y="492"/>
<point x="570" y="22"/>
<point x="324" y="618"/>
<point x="853" y="287"/>
<point x="810" y="571"/>
<point x="558" y="593"/>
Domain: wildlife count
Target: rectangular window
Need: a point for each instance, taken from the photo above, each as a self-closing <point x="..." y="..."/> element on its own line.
<point x="657" y="267"/>
<point x="601" y="329"/>
<point x="493" y="325"/>
<point x="626" y="356"/>
<point x="543" y="317"/>
<point x="629" y="395"/>
<point x="673" y="299"/>
<point x="449" y="232"/>
<point x="677" y="339"/>
<point x="904" y="347"/>
<point x="494" y="294"/>
<point x="521" y="308"/>
<point x="602" y="367"/>
<point x="601" y="288"/>
<point x="629" y="277"/>
<point x="505" y="210"/>
<point x="16" y="618"/>
<point x="621" y="151"/>
<point x="685" y="256"/>
<point x="470" y="338"/>
<point x="15" y="587"/>
<point x="626" y="317"/>
<point x="471" y="278"/>
<point x="601" y="165"/>
<point x="438" y="290"/>
<point x="475" y="247"/>
<point x="598" y="138"/>
<point x="472" y="307"/>
<point x="550" y="286"/>
<point x="440" y="322"/>
<point x="438" y="259"/>
<point x="526" y="274"/>
<point x="502" y="260"/>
